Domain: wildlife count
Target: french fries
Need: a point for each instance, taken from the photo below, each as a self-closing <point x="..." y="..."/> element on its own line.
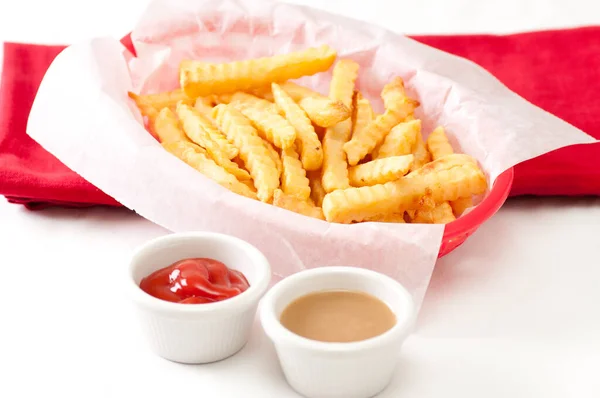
<point x="253" y="151"/>
<point x="201" y="78"/>
<point x="249" y="128"/>
<point x="335" y="167"/>
<point x="311" y="151"/>
<point x="397" y="107"/>
<point x="272" y="126"/>
<point x="380" y="171"/>
<point x="293" y="178"/>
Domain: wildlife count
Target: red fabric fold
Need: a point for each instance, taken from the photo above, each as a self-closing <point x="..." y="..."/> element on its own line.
<point x="558" y="71"/>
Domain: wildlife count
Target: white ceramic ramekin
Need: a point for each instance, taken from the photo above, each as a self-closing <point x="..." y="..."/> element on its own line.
<point x="337" y="370"/>
<point x="198" y="333"/>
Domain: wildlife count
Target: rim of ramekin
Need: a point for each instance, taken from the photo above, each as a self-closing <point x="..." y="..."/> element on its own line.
<point x="280" y="334"/>
<point x="237" y="303"/>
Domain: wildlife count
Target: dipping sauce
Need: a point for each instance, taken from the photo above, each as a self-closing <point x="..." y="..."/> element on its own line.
<point x="338" y="316"/>
<point x="195" y="281"/>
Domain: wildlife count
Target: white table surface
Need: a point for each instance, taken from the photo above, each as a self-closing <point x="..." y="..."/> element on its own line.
<point x="513" y="313"/>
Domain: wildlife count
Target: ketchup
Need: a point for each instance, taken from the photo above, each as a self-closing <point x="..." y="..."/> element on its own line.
<point x="195" y="281"/>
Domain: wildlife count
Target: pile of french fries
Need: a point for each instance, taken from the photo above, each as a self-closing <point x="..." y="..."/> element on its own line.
<point x="249" y="128"/>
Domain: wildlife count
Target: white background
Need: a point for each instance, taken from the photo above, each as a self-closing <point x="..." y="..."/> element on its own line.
<point x="514" y="312"/>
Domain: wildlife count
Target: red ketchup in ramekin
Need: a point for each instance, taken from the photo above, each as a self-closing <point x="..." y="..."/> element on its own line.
<point x="195" y="281"/>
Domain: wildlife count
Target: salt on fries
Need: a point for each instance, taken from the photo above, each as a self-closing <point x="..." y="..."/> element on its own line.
<point x="249" y="128"/>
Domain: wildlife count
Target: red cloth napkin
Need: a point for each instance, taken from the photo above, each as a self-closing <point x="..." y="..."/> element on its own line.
<point x="558" y="71"/>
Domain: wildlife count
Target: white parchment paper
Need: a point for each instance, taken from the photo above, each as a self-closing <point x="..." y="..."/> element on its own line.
<point x="83" y="116"/>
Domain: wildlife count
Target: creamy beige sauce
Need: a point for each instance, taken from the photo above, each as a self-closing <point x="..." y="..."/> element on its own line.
<point x="340" y="316"/>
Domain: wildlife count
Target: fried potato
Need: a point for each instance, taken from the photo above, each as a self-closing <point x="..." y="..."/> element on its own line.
<point x="362" y="114"/>
<point x="293" y="178"/>
<point x="292" y="203"/>
<point x="439" y="214"/>
<point x="317" y="193"/>
<point x="358" y="204"/>
<point x="335" y="168"/>
<point x="379" y="171"/>
<point x="195" y="156"/>
<point x="204" y="105"/>
<point x="324" y="111"/>
<point x="274" y="156"/>
<point x="321" y="110"/>
<point x="167" y="99"/>
<point x="400" y="141"/>
<point x="201" y="78"/>
<point x="460" y="205"/>
<point x="389" y="218"/>
<point x="311" y="151"/>
<point x="422" y="156"/>
<point x="245" y="99"/>
<point x="344" y="76"/>
<point x="398" y="107"/>
<point x="167" y="128"/>
<point x="438" y="144"/>
<point x="253" y="152"/>
<point x="272" y="126"/>
<point x="296" y="91"/>
<point x="194" y="126"/>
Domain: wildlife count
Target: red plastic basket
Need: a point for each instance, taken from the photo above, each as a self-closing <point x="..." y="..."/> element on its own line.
<point x="458" y="231"/>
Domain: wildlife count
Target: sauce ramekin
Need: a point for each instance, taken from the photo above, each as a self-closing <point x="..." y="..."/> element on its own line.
<point x="338" y="370"/>
<point x="198" y="333"/>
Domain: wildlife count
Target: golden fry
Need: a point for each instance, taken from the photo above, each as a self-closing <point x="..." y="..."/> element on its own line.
<point x="194" y="126"/>
<point x="201" y="78"/>
<point x="296" y="91"/>
<point x="324" y="111"/>
<point x="253" y="152"/>
<point x="167" y="127"/>
<point x="362" y="114"/>
<point x="358" y="204"/>
<point x="292" y="203"/>
<point x="389" y="218"/>
<point x="439" y="214"/>
<point x="311" y="151"/>
<point x="398" y="107"/>
<point x="293" y="178"/>
<point x="195" y="156"/>
<point x="321" y="110"/>
<point x="335" y="168"/>
<point x="400" y="141"/>
<point x="274" y="155"/>
<point x="344" y="76"/>
<point x="245" y="100"/>
<point x="438" y="144"/>
<point x="167" y="99"/>
<point x="422" y="156"/>
<point x="460" y="205"/>
<point x="317" y="193"/>
<point x="204" y="105"/>
<point x="272" y="126"/>
<point x="379" y="171"/>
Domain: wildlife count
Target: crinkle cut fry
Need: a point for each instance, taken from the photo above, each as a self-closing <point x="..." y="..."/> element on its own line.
<point x="293" y="178"/>
<point x="379" y="171"/>
<point x="311" y="151"/>
<point x="398" y="107"/>
<point x="292" y="203"/>
<point x="253" y="152"/>
<point x="335" y="168"/>
<point x="358" y="204"/>
<point x="201" y="78"/>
